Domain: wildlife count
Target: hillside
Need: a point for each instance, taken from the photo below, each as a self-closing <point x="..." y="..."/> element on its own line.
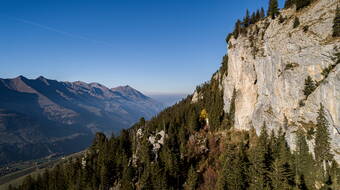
<point x="40" y="116"/>
<point x="268" y="67"/>
<point x="267" y="119"/>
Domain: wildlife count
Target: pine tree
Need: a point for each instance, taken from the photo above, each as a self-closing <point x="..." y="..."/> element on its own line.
<point x="273" y="9"/>
<point x="336" y="23"/>
<point x="232" y="109"/>
<point x="281" y="173"/>
<point x="235" y="164"/>
<point x="301" y="184"/>
<point x="334" y="172"/>
<point x="260" y="163"/>
<point x="246" y="20"/>
<point x="145" y="179"/>
<point x="289" y="3"/>
<point x="253" y="18"/>
<point x="237" y="29"/>
<point x="302" y="3"/>
<point x="304" y="162"/>
<point x="193" y="122"/>
<point x="159" y="179"/>
<point x="310" y="86"/>
<point x="296" y="22"/>
<point x="257" y="15"/>
<point x="322" y="149"/>
<point x="10" y="187"/>
<point x="262" y="13"/>
<point x="104" y="178"/>
<point x="192" y="179"/>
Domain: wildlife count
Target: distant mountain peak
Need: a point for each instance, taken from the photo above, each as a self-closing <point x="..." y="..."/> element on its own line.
<point x="20" y="77"/>
<point x="43" y="79"/>
<point x="125" y="88"/>
<point x="129" y="91"/>
<point x="68" y="111"/>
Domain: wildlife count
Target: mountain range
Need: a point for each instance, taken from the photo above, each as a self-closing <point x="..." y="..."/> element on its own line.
<point x="39" y="117"/>
<point x="267" y="119"/>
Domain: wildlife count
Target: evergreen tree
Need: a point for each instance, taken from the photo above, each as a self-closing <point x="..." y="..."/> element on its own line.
<point x="237" y="29"/>
<point x="296" y="22"/>
<point x="301" y="184"/>
<point x="301" y="3"/>
<point x="28" y="183"/>
<point x="192" y="179"/>
<point x="262" y="13"/>
<point x="232" y="109"/>
<point x="281" y="173"/>
<point x="334" y="173"/>
<point x="304" y="162"/>
<point x="257" y="15"/>
<point x="260" y="162"/>
<point x="145" y="182"/>
<point x="273" y="9"/>
<point x="336" y="23"/>
<point x="235" y="164"/>
<point x="322" y="149"/>
<point x="246" y="20"/>
<point x="310" y="86"/>
<point x="289" y="3"/>
<point x="104" y="178"/>
<point x="159" y="179"/>
<point x="193" y="121"/>
<point x="253" y="18"/>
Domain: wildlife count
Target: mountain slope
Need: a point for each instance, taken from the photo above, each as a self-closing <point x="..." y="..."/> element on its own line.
<point x="268" y="66"/>
<point x="246" y="128"/>
<point x="42" y="115"/>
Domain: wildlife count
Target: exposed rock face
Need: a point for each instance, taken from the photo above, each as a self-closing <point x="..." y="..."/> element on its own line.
<point x="268" y="67"/>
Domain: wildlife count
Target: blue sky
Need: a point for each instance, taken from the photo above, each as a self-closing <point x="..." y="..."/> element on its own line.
<point x="156" y="46"/>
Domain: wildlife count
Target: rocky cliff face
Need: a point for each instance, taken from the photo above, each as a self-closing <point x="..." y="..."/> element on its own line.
<point x="268" y="66"/>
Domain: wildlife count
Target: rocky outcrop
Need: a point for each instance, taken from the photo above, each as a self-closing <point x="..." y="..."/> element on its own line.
<point x="268" y="66"/>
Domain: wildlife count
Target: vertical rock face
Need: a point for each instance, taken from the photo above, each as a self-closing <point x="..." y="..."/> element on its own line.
<point x="268" y="66"/>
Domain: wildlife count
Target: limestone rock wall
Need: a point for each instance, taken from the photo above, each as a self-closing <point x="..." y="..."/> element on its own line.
<point x="268" y="67"/>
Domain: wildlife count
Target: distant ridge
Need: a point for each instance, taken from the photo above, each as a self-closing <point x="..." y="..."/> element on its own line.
<point x="39" y="116"/>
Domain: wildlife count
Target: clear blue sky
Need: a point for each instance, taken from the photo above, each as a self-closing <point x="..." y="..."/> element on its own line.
<point x="166" y="46"/>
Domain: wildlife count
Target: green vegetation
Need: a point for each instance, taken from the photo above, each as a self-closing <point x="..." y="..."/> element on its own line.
<point x="336" y="23"/>
<point x="305" y="29"/>
<point x="325" y="72"/>
<point x="304" y="162"/>
<point x="224" y="66"/>
<point x="241" y="26"/>
<point x="197" y="154"/>
<point x="273" y="8"/>
<point x="322" y="148"/>
<point x="291" y="66"/>
<point x="299" y="3"/>
<point x="296" y="22"/>
<point x="302" y="3"/>
<point x="212" y="102"/>
<point x="336" y="60"/>
<point x="201" y="149"/>
<point x="289" y="3"/>
<point x="310" y="86"/>
<point x="282" y="19"/>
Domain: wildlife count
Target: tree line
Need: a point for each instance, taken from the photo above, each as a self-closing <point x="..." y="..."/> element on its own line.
<point x="199" y="155"/>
